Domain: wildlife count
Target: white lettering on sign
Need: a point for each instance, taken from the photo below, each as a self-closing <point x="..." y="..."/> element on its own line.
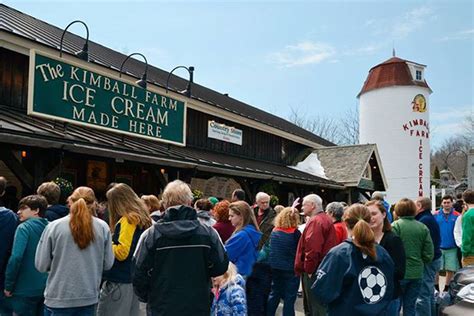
<point x="78" y="94"/>
<point x="51" y="72"/>
<point x="225" y="133"/>
<point x="139" y="110"/>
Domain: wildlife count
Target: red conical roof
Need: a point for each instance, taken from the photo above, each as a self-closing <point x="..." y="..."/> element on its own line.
<point x="392" y="72"/>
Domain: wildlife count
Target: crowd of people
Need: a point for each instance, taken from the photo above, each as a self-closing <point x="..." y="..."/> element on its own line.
<point x="185" y="256"/>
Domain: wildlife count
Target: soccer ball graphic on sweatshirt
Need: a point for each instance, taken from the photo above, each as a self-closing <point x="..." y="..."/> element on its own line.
<point x="372" y="284"/>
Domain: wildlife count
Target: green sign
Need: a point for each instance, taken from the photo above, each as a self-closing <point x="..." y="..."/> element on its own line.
<point x="366" y="184"/>
<point x="66" y="91"/>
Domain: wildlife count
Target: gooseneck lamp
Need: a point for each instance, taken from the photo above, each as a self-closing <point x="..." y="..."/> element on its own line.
<point x="142" y="81"/>
<point x="84" y="52"/>
<point x="190" y="70"/>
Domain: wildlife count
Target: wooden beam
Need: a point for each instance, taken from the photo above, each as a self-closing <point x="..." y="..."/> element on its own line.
<point x="53" y="173"/>
<point x="18" y="169"/>
<point x="40" y="166"/>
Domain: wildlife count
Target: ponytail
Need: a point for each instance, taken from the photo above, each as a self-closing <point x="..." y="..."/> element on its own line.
<point x="357" y="219"/>
<point x="81" y="223"/>
<point x="364" y="238"/>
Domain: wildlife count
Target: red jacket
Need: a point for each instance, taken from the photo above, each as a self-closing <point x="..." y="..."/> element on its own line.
<point x="341" y="232"/>
<point x="224" y="229"/>
<point x="319" y="236"/>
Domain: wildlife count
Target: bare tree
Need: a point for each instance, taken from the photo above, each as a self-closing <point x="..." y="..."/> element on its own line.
<point x="453" y="152"/>
<point x="468" y="129"/>
<point x="349" y="127"/>
<point x="322" y="126"/>
<point x="341" y="131"/>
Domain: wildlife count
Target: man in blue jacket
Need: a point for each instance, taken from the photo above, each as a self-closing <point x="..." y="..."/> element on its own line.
<point x="446" y="218"/>
<point x="8" y="223"/>
<point x="425" y="304"/>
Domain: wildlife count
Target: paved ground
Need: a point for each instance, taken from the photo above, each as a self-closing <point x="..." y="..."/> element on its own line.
<point x="298" y="305"/>
<point x="298" y="308"/>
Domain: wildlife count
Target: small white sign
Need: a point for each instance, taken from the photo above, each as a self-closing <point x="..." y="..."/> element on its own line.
<point x="225" y="133"/>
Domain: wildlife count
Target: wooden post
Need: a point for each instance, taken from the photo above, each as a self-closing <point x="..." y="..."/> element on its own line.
<point x="159" y="176"/>
<point x="39" y="168"/>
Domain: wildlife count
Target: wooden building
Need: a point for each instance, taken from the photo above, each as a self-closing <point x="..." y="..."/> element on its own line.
<point x="216" y="144"/>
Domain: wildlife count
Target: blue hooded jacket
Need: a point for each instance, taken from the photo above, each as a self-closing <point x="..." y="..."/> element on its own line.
<point x="231" y="299"/>
<point x="8" y="223"/>
<point x="352" y="283"/>
<point x="386" y="205"/>
<point x="56" y="211"/>
<point x="242" y="249"/>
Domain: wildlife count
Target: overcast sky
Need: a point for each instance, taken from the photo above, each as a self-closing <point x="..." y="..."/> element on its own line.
<point x="276" y="55"/>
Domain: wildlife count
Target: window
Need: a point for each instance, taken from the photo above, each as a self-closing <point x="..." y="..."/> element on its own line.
<point x="418" y="75"/>
<point x="283" y="150"/>
<point x="367" y="173"/>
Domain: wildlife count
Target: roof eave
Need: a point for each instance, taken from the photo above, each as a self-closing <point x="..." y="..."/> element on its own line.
<point x="394" y="85"/>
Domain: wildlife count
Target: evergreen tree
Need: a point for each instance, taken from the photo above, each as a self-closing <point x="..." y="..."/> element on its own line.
<point x="436" y="173"/>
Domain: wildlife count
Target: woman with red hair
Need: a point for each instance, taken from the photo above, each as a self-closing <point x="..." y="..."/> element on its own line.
<point x="75" y="250"/>
<point x="223" y="226"/>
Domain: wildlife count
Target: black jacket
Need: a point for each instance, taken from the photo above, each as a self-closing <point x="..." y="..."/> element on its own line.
<point x="266" y="225"/>
<point x="394" y="246"/>
<point x="174" y="262"/>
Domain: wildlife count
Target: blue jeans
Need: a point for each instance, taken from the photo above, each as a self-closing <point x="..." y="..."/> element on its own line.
<point x="393" y="309"/>
<point x="5" y="309"/>
<point x="284" y="286"/>
<point x="21" y="306"/>
<point x="425" y="304"/>
<point x="70" y="311"/>
<point x="410" y="290"/>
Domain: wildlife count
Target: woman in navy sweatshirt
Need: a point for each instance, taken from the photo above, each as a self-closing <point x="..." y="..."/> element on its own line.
<point x="356" y="277"/>
<point x="283" y="243"/>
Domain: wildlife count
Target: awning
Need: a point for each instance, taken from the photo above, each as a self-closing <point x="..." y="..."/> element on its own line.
<point x="16" y="127"/>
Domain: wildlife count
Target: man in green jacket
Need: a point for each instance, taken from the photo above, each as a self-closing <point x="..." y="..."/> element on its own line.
<point x="468" y="229"/>
<point x="24" y="285"/>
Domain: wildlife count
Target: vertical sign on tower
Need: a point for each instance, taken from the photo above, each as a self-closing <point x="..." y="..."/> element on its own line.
<point x="418" y="128"/>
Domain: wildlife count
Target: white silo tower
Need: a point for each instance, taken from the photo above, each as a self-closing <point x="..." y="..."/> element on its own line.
<point x="394" y="114"/>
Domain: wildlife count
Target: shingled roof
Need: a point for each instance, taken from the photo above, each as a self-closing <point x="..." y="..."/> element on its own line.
<point x="20" y="24"/>
<point x="346" y="164"/>
<point x="392" y="72"/>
